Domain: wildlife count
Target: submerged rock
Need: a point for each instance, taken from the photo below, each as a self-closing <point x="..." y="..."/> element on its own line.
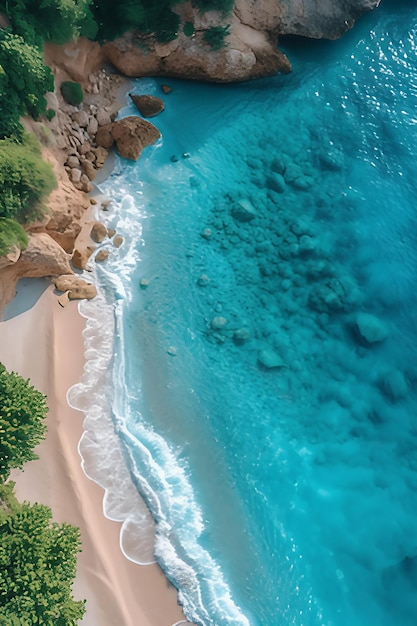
<point x="370" y="329"/>
<point x="243" y="211"/>
<point x="218" y="323"/>
<point x="270" y="359"/>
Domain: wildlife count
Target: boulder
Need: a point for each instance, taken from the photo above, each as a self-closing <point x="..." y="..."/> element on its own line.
<point x="43" y="257"/>
<point x="98" y="232"/>
<point x="117" y="241"/>
<point x="88" y="169"/>
<point x="148" y="106"/>
<point x="103" y="117"/>
<point x="81" y="257"/>
<point x="11" y="257"/>
<point x="132" y="134"/>
<point x="102" y="255"/>
<point x="80" y="118"/>
<point x="370" y="329"/>
<point x="104" y="136"/>
<point x="77" y="287"/>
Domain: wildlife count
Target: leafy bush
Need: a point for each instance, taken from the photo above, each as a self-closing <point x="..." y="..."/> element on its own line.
<point x="214" y="5"/>
<point x="72" y="92"/>
<point x="26" y="78"/>
<point x="188" y="29"/>
<point x="22" y="411"/>
<point x="37" y="565"/>
<point x="25" y="180"/>
<point x="58" y="21"/>
<point x="215" y="36"/>
<point x="11" y="234"/>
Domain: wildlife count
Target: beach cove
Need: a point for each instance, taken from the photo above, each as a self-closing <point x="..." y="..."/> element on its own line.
<point x="260" y="377"/>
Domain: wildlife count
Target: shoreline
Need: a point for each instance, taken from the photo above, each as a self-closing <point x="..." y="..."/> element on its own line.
<point x="45" y="344"/>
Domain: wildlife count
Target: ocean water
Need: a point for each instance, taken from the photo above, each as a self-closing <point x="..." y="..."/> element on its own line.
<point x="251" y="363"/>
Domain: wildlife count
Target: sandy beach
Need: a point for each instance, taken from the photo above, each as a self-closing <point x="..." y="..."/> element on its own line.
<point x="45" y="344"/>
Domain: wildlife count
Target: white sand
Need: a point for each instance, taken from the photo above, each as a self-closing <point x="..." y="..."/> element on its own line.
<point x="45" y="344"/>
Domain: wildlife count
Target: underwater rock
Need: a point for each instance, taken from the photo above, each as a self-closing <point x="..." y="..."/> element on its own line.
<point x="203" y="280"/>
<point x="276" y="182"/>
<point x="241" y="335"/>
<point x="243" y="211"/>
<point x="370" y="329"/>
<point x="270" y="359"/>
<point x="218" y="322"/>
<point x="394" y="385"/>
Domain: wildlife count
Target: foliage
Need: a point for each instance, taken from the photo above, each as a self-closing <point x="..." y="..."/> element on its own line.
<point x="72" y="92"/>
<point x="25" y="180"/>
<point x="188" y="29"/>
<point x="214" y="5"/>
<point x="215" y="36"/>
<point x="11" y="234"/>
<point x="10" y="107"/>
<point x="37" y="566"/>
<point x="26" y="78"/>
<point x="22" y="411"/>
<point x="149" y="17"/>
<point x="57" y="21"/>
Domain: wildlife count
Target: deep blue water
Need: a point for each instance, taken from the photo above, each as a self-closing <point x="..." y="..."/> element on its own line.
<point x="283" y="495"/>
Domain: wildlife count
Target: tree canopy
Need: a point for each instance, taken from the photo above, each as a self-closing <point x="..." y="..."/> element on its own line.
<point x="37" y="565"/>
<point x="22" y="413"/>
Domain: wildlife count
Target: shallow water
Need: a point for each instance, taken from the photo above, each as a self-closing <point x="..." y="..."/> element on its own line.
<point x="274" y="224"/>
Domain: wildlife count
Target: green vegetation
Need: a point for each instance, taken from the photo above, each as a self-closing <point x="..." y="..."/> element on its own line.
<point x="57" y="21"/>
<point x="72" y="92"/>
<point x="11" y="234"/>
<point x="188" y="29"/>
<point x="37" y="556"/>
<point x="214" y="5"/>
<point x="25" y="179"/>
<point x="215" y="36"/>
<point x="22" y="411"/>
<point x="26" y="78"/>
<point x="37" y="565"/>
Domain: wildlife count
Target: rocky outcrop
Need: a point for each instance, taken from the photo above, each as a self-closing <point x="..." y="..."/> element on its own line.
<point x="77" y="287"/>
<point x="250" y="49"/>
<point x="131" y="134"/>
<point x="148" y="106"/>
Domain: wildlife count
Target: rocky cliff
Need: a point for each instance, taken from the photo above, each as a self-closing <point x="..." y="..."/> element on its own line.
<point x="251" y="49"/>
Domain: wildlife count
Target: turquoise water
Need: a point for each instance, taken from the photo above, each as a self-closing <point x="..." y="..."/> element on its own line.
<point x="275" y="224"/>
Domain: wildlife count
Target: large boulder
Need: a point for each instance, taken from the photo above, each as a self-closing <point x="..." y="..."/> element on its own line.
<point x="43" y="257"/>
<point x="148" y="106"/>
<point x="132" y="134"/>
<point x="77" y="287"/>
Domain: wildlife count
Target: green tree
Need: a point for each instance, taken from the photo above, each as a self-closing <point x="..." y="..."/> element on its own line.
<point x="26" y="73"/>
<point x="25" y="179"/>
<point x="22" y="411"/>
<point x="58" y="21"/>
<point x="37" y="566"/>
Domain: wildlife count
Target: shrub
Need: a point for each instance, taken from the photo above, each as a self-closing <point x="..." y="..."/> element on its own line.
<point x="22" y="411"/>
<point x="37" y="565"/>
<point x="188" y="29"/>
<point x="26" y="77"/>
<point x="215" y="36"/>
<point x="25" y="179"/>
<point x="72" y="92"/>
<point x="214" y="5"/>
<point x="11" y="234"/>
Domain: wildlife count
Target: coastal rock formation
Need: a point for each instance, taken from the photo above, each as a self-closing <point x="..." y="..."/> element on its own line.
<point x="77" y="287"/>
<point x="132" y="134"/>
<point x="148" y="106"/>
<point x="250" y="49"/>
<point x="43" y="257"/>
